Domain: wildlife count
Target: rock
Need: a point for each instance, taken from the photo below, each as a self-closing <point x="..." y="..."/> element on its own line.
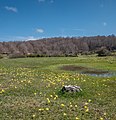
<point x="71" y="88"/>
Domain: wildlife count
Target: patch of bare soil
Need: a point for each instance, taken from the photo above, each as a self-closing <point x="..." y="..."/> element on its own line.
<point x="73" y="68"/>
<point x="83" y="69"/>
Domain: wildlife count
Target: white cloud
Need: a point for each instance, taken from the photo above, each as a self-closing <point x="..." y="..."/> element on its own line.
<point x="18" y="38"/>
<point x="39" y="30"/>
<point x="31" y="38"/>
<point x="13" y="9"/>
<point x="25" y="38"/>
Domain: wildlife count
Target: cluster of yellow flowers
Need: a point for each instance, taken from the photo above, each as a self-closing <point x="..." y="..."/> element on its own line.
<point x="2" y="91"/>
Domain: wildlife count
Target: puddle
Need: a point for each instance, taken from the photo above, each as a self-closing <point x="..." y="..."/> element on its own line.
<point x="88" y="71"/>
<point x="101" y="75"/>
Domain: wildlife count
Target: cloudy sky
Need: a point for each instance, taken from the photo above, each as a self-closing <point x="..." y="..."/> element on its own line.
<point x="33" y="19"/>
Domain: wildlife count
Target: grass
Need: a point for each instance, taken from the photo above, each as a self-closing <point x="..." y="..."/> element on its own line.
<point x="30" y="89"/>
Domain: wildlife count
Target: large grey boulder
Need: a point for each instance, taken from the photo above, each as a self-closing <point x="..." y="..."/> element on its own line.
<point x="71" y="88"/>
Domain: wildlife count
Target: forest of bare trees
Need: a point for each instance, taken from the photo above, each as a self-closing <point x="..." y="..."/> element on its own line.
<point x="59" y="46"/>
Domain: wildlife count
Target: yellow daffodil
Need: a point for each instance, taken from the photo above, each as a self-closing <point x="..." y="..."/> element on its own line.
<point x="77" y="118"/>
<point x="47" y="109"/>
<point x="101" y="118"/>
<point x="87" y="110"/>
<point x="64" y="114"/>
<point x="62" y="105"/>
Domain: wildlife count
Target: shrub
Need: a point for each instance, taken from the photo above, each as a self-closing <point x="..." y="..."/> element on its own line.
<point x="103" y="52"/>
<point x="17" y="55"/>
<point x="32" y="55"/>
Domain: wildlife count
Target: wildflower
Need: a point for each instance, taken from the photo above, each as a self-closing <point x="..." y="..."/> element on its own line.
<point x="64" y="114"/>
<point x="87" y="110"/>
<point x="51" y="96"/>
<point x="47" y="109"/>
<point x="89" y="100"/>
<point x="62" y="105"/>
<point x="33" y="115"/>
<point x="77" y="118"/>
<point x="35" y="93"/>
<point x="41" y="109"/>
<point x="75" y="105"/>
<point x="86" y="103"/>
<point x="57" y="96"/>
<point x="48" y="100"/>
<point x="85" y="106"/>
<point x="29" y="81"/>
<point x="2" y="91"/>
<point x="54" y="98"/>
<point x="70" y="105"/>
<point x="101" y="118"/>
<point x="104" y="113"/>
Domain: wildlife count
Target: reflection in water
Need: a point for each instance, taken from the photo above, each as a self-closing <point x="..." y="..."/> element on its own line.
<point x="101" y="75"/>
<point x="88" y="71"/>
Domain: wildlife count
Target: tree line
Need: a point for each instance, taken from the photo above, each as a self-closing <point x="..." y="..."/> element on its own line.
<point x="59" y="46"/>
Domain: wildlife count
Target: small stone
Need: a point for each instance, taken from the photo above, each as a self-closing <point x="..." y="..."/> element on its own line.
<point x="71" y="88"/>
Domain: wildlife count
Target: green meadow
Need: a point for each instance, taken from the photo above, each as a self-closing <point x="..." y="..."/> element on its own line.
<point x="30" y="89"/>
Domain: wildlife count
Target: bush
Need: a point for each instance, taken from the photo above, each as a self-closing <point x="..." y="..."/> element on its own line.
<point x="103" y="52"/>
<point x="17" y="55"/>
<point x="32" y="55"/>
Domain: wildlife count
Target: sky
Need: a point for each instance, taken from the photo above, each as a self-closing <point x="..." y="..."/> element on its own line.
<point x="35" y="19"/>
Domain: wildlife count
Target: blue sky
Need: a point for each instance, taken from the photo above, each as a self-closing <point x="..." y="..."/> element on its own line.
<point x="32" y="19"/>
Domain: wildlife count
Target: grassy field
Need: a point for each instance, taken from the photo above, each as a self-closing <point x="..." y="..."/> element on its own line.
<point x="30" y="89"/>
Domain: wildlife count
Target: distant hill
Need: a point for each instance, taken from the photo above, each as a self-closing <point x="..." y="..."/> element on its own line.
<point x="59" y="46"/>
